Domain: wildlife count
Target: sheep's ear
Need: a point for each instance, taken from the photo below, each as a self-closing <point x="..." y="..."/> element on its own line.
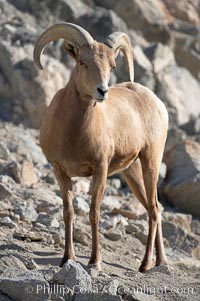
<point x="71" y="49"/>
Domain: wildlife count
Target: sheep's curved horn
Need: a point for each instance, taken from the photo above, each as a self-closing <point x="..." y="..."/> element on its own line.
<point x="120" y="40"/>
<point x="72" y="33"/>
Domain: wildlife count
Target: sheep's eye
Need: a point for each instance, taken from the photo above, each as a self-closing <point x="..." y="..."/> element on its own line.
<point x="113" y="67"/>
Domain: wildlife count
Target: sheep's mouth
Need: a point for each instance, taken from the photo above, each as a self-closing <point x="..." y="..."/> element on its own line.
<point x="101" y="98"/>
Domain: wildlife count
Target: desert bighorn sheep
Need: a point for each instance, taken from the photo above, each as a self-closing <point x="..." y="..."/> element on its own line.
<point x="90" y="129"/>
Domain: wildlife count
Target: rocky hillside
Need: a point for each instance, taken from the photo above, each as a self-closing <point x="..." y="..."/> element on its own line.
<point x="164" y="35"/>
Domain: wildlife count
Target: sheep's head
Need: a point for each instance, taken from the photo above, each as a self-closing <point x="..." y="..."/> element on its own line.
<point x="94" y="64"/>
<point x="94" y="60"/>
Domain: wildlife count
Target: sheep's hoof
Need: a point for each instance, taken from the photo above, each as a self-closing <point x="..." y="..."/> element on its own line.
<point x="65" y="259"/>
<point x="161" y="262"/>
<point x="145" y="266"/>
<point x="95" y="265"/>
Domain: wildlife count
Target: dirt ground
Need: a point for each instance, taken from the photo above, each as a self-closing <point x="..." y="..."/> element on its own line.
<point x="121" y="260"/>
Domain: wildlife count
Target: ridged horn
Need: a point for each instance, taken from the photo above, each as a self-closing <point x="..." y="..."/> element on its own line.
<point x="120" y="40"/>
<point x="72" y="33"/>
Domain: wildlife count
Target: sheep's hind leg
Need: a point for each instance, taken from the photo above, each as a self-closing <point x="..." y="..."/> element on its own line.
<point x="65" y="185"/>
<point x="150" y="161"/>
<point x="160" y="250"/>
<point x="134" y="178"/>
<point x="99" y="183"/>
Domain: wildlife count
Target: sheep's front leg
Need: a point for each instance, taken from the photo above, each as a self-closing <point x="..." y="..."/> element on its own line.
<point x="99" y="183"/>
<point x="65" y="185"/>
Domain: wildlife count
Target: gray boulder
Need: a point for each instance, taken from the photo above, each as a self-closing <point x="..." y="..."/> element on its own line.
<point x="60" y="9"/>
<point x="111" y="287"/>
<point x="25" y="174"/>
<point x="73" y="276"/>
<point x="192" y="127"/>
<point x="5" y="192"/>
<point x="186" y="53"/>
<point x="175" y="135"/>
<point x="28" y="174"/>
<point x="23" y="145"/>
<point x="26" y="211"/>
<point x="11" y="169"/>
<point x="25" y="286"/>
<point x="184" y="10"/>
<point x="47" y="219"/>
<point x="179" y="238"/>
<point x="4" y="297"/>
<point x="145" y="15"/>
<point x="180" y="92"/>
<point x="114" y="235"/>
<point x="195" y="226"/>
<point x="4" y="152"/>
<point x="81" y="186"/>
<point x="81" y="236"/>
<point x="160" y="56"/>
<point x="105" y="3"/>
<point x="101" y="22"/>
<point x="30" y="90"/>
<point x="6" y="221"/>
<point x="97" y="297"/>
<point x="11" y="262"/>
<point x="37" y="88"/>
<point x="81" y="207"/>
<point x="180" y="219"/>
<point x="182" y="185"/>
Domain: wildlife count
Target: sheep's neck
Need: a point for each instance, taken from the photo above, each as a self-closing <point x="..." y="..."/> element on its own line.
<point x="81" y="105"/>
<point x="77" y="90"/>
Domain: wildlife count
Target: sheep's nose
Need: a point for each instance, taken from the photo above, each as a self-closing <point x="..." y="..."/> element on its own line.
<point x="102" y="89"/>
